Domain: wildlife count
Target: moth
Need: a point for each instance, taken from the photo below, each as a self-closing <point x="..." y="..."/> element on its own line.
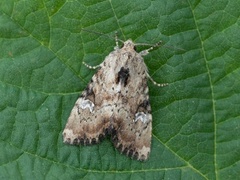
<point x="115" y="103"/>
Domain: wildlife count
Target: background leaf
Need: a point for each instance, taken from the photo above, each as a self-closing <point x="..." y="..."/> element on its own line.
<point x="196" y="127"/>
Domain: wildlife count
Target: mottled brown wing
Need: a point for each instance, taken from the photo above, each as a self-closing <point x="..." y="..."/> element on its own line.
<point x="89" y="118"/>
<point x="131" y="125"/>
<point x="130" y="137"/>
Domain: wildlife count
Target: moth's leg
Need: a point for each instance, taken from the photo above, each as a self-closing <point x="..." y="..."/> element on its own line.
<point x="91" y="67"/>
<point x="157" y="84"/>
<point x="116" y="40"/>
<point x="146" y="51"/>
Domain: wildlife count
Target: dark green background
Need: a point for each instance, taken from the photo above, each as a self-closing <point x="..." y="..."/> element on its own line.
<point x="196" y="119"/>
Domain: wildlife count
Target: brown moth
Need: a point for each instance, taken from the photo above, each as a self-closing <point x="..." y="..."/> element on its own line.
<point x="115" y="103"/>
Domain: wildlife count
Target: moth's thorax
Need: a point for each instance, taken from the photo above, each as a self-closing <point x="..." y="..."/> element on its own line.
<point x="128" y="57"/>
<point x="128" y="45"/>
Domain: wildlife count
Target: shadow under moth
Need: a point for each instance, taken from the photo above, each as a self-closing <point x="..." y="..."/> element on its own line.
<point x="115" y="103"/>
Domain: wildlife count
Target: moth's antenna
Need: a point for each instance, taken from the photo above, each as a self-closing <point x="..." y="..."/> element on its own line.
<point x="160" y="43"/>
<point x="174" y="48"/>
<point x="152" y="45"/>
<point x="111" y="37"/>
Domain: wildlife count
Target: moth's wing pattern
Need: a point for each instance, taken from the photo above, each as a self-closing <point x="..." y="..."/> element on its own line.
<point x="132" y="123"/>
<point x="89" y="119"/>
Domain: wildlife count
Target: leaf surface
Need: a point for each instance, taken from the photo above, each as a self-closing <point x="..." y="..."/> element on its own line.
<point x="196" y="125"/>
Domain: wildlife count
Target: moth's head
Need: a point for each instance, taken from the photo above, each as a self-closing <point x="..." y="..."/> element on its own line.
<point x="129" y="44"/>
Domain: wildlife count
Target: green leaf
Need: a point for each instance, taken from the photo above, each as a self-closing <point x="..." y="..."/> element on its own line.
<point x="196" y="119"/>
